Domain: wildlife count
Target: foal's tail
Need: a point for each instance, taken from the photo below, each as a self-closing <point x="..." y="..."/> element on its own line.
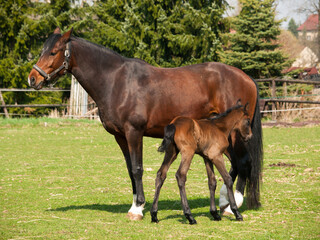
<point x="255" y="151"/>
<point x="168" y="138"/>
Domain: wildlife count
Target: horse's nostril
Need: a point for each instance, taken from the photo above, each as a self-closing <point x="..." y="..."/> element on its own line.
<point x="32" y="81"/>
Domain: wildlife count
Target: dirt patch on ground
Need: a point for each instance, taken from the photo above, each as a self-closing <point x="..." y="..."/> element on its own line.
<point x="282" y="164"/>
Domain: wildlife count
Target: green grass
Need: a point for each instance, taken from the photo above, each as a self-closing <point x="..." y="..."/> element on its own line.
<point x="67" y="179"/>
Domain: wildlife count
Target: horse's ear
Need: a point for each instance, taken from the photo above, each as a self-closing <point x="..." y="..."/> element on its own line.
<point x="66" y="37"/>
<point x="57" y="31"/>
<point x="63" y="41"/>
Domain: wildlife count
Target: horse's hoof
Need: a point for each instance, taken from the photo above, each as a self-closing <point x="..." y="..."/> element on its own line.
<point x="154" y="217"/>
<point x="154" y="220"/>
<point x="215" y="215"/>
<point x="134" y="217"/>
<point x="192" y="222"/>
<point x="239" y="219"/>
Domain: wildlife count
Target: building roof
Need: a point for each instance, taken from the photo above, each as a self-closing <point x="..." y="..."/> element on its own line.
<point x="310" y="24"/>
<point x="308" y="71"/>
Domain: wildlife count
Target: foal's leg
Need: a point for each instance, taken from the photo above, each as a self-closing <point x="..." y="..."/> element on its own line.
<point x="241" y="183"/>
<point x="224" y="199"/>
<point x="219" y="163"/>
<point x="212" y="182"/>
<point x="170" y="156"/>
<point x="181" y="176"/>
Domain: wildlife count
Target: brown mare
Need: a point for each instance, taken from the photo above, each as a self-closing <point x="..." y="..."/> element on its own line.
<point x="209" y="139"/>
<point x="136" y="99"/>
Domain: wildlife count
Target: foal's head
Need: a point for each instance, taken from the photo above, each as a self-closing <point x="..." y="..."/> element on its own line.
<point x="53" y="61"/>
<point x="243" y="126"/>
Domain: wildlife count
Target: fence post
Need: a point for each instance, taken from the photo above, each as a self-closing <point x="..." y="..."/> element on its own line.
<point x="4" y="108"/>
<point x="78" y="99"/>
<point x="273" y="95"/>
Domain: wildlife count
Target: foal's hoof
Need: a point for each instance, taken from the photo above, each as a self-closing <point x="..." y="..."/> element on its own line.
<point x="154" y="217"/>
<point x="190" y="219"/>
<point x="192" y="222"/>
<point x="134" y="217"/>
<point x="215" y="216"/>
<point x="239" y="219"/>
<point x="154" y="220"/>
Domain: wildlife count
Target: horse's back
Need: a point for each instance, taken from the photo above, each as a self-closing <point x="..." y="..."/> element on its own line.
<point x="214" y="86"/>
<point x="155" y="96"/>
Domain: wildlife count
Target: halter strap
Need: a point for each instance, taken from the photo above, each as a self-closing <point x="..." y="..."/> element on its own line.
<point x="65" y="65"/>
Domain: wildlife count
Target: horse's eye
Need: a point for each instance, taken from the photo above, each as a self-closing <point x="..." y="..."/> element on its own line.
<point x="52" y="53"/>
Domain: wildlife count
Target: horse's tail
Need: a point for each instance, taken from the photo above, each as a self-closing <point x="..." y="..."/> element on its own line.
<point x="168" y="138"/>
<point x="255" y="151"/>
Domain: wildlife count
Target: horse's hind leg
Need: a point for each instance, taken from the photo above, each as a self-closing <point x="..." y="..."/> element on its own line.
<point x="170" y="156"/>
<point x="212" y="183"/>
<point x="219" y="163"/>
<point x="181" y="176"/>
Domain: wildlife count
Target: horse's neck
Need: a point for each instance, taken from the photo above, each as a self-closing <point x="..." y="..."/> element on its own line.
<point x="227" y="123"/>
<point x="93" y="67"/>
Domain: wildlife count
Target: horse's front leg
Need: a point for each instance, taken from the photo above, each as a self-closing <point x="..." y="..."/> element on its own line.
<point x="134" y="139"/>
<point x="219" y="162"/>
<point x="212" y="183"/>
<point x="224" y="199"/>
<point x="241" y="183"/>
<point x="122" y="142"/>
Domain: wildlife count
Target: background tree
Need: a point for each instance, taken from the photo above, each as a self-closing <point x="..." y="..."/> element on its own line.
<point x="292" y="27"/>
<point x="24" y="27"/>
<point x="252" y="48"/>
<point x="165" y="33"/>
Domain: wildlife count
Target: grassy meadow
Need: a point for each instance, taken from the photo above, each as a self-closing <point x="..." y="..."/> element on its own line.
<point x="67" y="179"/>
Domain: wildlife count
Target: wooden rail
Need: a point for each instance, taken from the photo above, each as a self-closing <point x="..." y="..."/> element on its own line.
<point x="33" y="90"/>
<point x="32" y="105"/>
<point x="263" y="102"/>
<point x="5" y="106"/>
<point x="273" y="100"/>
<point x="316" y="82"/>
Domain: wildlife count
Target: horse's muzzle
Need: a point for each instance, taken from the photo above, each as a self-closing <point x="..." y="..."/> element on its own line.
<point x="32" y="83"/>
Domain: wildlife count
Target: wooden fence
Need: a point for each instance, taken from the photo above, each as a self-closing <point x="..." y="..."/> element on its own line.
<point x="273" y="100"/>
<point x="79" y="100"/>
<point x="5" y="106"/>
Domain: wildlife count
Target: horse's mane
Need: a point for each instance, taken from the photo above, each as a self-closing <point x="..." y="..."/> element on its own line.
<point x="98" y="46"/>
<point x="224" y="114"/>
<point x="53" y="38"/>
<point x="104" y="49"/>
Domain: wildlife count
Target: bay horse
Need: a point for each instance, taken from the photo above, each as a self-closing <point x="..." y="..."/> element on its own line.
<point x="136" y="99"/>
<point x="209" y="139"/>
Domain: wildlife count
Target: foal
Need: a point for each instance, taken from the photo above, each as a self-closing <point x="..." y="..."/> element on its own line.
<point x="208" y="138"/>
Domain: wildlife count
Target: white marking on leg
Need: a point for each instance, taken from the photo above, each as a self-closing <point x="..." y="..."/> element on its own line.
<point x="239" y="198"/>
<point x="134" y="208"/>
<point x="224" y="200"/>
